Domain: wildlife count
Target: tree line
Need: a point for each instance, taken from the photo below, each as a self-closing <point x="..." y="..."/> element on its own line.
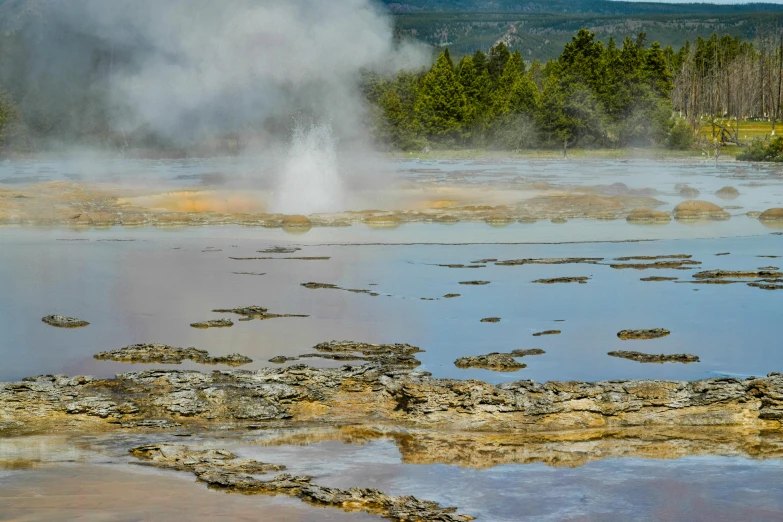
<point x="592" y="95"/>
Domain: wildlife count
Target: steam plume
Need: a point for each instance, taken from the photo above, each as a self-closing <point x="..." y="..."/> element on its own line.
<point x="199" y="67"/>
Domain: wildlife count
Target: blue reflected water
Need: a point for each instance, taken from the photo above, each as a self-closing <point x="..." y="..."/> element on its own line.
<point x="152" y="288"/>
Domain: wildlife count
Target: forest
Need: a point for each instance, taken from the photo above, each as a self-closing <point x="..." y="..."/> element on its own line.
<point x="594" y="95"/>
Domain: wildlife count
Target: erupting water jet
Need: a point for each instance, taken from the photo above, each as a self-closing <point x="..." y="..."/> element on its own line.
<point x="310" y="181"/>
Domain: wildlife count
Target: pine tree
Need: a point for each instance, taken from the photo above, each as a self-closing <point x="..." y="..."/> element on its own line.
<point x="657" y="70"/>
<point x="504" y="86"/>
<point x="551" y="117"/>
<point x="480" y="61"/>
<point x="448" y="57"/>
<point x="498" y="56"/>
<point x="515" y="92"/>
<point x="476" y="86"/>
<point x="441" y="108"/>
<point x="582" y="59"/>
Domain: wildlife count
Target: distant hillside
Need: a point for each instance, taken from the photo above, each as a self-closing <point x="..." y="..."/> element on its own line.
<point x="540" y="29"/>
<point x="604" y="7"/>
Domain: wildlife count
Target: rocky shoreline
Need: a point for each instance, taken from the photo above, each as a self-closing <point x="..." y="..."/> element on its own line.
<point x="460" y="422"/>
<point x="383" y="390"/>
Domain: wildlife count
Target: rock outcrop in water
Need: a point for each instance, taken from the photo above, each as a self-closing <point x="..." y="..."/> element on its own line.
<point x="213" y="323"/>
<point x="161" y="353"/>
<point x="383" y="221"/>
<point x="550" y="261"/>
<point x="60" y="321"/>
<point x="685" y="358"/>
<point x="254" y="312"/>
<point x="282" y="359"/>
<point x="689" y="192"/>
<point x="648" y="216"/>
<point x="654" y="333"/>
<point x="499" y="362"/>
<point x="653" y="258"/>
<point x="329" y="286"/>
<point x="765" y="279"/>
<point x="296" y="258"/>
<point x="738" y="274"/>
<point x="529" y="351"/>
<point x="727" y="193"/>
<point x="696" y="210"/>
<point x="547" y="332"/>
<point x="772" y="213"/>
<point x="674" y="264"/>
<point x="772" y="218"/>
<point x="389" y="355"/>
<point x="279" y="250"/>
<point x="555" y="280"/>
<point x="373" y="392"/>
<point x="221" y="469"/>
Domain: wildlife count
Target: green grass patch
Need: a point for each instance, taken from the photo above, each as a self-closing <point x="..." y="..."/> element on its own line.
<point x="748" y="130"/>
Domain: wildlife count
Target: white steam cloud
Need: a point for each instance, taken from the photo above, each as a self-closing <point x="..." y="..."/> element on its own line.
<point x="193" y="70"/>
<point x="203" y="66"/>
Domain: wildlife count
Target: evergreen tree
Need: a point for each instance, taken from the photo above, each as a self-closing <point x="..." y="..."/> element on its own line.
<point x="498" y="56"/>
<point x="397" y="126"/>
<point x="476" y="85"/>
<point x="448" y="57"/>
<point x="592" y="95"/>
<point x="551" y="117"/>
<point x="441" y="107"/>
<point x="515" y="91"/>
<point x="536" y="74"/>
<point x="657" y="70"/>
<point x="480" y="61"/>
<point x="504" y="86"/>
<point x="582" y="59"/>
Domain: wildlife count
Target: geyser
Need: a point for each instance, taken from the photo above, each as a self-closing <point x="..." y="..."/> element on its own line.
<point x="310" y="182"/>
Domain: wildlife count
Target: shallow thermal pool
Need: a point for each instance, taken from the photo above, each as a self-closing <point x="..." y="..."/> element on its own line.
<point x="147" y="285"/>
<point x="93" y="478"/>
<point x="152" y="285"/>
